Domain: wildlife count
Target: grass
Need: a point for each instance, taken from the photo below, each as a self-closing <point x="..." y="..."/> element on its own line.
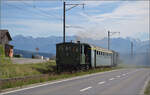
<point x="147" y="90"/>
<point x="21" y="70"/>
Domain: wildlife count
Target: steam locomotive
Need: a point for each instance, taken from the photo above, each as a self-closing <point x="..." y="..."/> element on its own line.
<point x="77" y="56"/>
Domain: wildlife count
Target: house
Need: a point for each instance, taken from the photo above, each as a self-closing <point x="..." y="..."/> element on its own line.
<point x="4" y="41"/>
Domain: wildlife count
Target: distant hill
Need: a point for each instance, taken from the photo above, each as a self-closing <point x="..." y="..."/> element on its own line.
<point x="48" y="44"/>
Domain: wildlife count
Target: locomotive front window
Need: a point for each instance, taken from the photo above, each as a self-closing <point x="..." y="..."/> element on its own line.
<point x="73" y="49"/>
<point x="70" y="49"/>
<point x="67" y="48"/>
<point x="76" y="49"/>
<point x="61" y="48"/>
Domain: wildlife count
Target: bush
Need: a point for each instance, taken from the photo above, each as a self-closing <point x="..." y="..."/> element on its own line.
<point x="17" y="55"/>
<point x="2" y="52"/>
<point x="3" y="59"/>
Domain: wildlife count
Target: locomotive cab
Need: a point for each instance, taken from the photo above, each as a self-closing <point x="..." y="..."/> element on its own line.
<point x="73" y="56"/>
<point x="67" y="55"/>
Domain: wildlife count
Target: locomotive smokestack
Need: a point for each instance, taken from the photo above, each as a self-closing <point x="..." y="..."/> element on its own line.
<point x="78" y="42"/>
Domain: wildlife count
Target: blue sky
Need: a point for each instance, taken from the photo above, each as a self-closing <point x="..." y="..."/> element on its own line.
<point x="44" y="18"/>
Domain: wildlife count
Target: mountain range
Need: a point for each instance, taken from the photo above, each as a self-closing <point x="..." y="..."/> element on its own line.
<point x="26" y="46"/>
<point x="48" y="44"/>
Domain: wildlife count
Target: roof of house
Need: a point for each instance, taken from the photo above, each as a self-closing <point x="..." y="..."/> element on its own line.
<point x="5" y="32"/>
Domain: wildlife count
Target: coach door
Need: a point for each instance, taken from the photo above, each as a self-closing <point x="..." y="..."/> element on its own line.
<point x="82" y="54"/>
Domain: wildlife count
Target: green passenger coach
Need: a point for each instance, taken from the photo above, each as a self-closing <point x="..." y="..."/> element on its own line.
<point x="77" y="56"/>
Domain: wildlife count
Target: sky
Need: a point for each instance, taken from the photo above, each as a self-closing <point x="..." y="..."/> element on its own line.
<point x="45" y="18"/>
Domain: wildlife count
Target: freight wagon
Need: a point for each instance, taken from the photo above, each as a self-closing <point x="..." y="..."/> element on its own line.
<point x="77" y="56"/>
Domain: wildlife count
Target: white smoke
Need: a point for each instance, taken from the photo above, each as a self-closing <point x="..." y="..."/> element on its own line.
<point x="94" y="33"/>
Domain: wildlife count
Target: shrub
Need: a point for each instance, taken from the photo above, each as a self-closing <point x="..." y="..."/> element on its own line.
<point x="2" y="52"/>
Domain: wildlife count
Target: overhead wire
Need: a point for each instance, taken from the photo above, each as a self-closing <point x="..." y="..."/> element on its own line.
<point x="19" y="8"/>
<point x="42" y="11"/>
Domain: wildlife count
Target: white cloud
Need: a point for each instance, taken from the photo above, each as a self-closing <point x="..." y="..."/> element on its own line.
<point x="35" y="28"/>
<point x="96" y="3"/>
<point x="131" y="18"/>
<point x="18" y="2"/>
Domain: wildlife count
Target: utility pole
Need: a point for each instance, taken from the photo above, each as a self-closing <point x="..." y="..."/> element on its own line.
<point x="0" y="14"/>
<point x="108" y="39"/>
<point x="64" y="17"/>
<point x="110" y="34"/>
<point x="147" y="56"/>
<point x="149" y="48"/>
<point x="131" y="49"/>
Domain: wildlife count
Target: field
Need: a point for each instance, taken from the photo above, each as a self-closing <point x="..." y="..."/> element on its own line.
<point x="9" y="70"/>
<point x="18" y="75"/>
<point x="42" y="72"/>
